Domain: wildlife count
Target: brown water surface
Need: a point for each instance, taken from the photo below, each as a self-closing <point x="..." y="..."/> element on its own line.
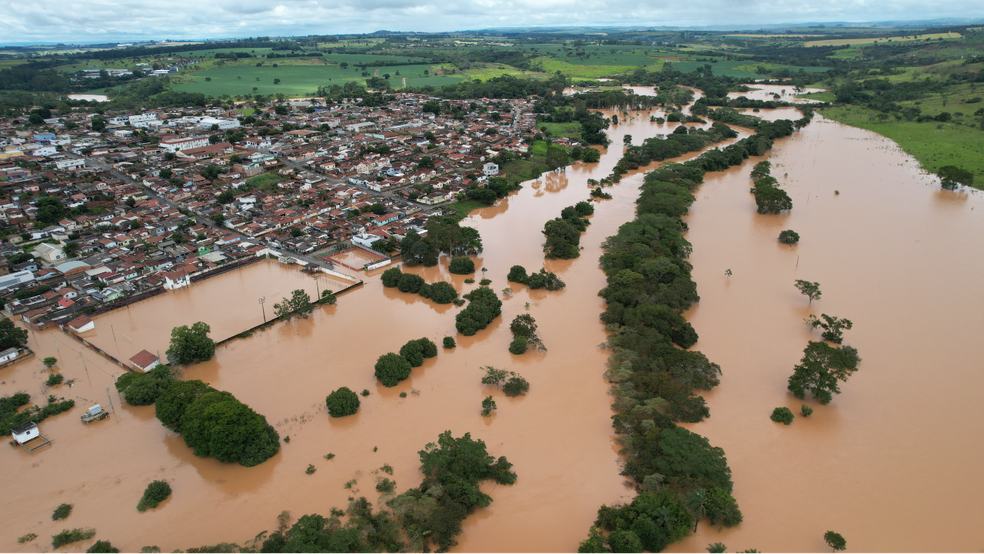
<point x="894" y="462"/>
<point x="892" y="252"/>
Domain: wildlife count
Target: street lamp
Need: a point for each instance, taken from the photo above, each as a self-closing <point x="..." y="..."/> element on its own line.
<point x="317" y="279"/>
<point x="262" y="300"/>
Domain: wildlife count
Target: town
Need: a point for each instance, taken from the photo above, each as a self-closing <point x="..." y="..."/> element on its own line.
<point x="102" y="209"/>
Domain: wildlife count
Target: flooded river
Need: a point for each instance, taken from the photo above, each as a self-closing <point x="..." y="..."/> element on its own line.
<point x="831" y="471"/>
<point x="893" y="462"/>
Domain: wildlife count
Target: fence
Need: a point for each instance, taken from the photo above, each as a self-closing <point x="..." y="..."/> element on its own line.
<point x="95" y="348"/>
<point x="224" y="269"/>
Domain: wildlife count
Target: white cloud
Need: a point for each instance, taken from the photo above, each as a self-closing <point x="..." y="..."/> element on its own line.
<point x="90" y="20"/>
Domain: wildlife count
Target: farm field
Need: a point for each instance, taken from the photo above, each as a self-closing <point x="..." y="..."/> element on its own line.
<point x="909" y="38"/>
<point x="296" y="79"/>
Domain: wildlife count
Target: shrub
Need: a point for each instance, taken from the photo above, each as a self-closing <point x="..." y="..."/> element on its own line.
<point x="413" y="352"/>
<point x="403" y="395"/>
<point x="789" y="237"/>
<point x="342" y="402"/>
<point x="545" y="279"/>
<point x="391" y="369"/>
<point x="485" y="282"/>
<point x="519" y="345"/>
<point x="54" y="379"/>
<point x="488" y="406"/>
<point x="102" y="546"/>
<point x="391" y="277"/>
<point x="154" y="494"/>
<point x="365" y="392"/>
<point x="449" y="342"/>
<point x="516" y="386"/>
<point x="410" y="283"/>
<point x="310" y="469"/>
<point x="469" y="281"/>
<point x="49" y="362"/>
<point x="61" y="512"/>
<point x="584" y="208"/>
<point x="461" y="266"/>
<point x="440" y="292"/>
<point x="68" y="537"/>
<point x="517" y="274"/>
<point x="484" y="306"/>
<point x="806" y="411"/>
<point x="27" y="538"/>
<point x="386" y="485"/>
<point x="782" y="415"/>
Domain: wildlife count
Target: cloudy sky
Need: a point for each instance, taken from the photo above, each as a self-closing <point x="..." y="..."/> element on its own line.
<point x="95" y="20"/>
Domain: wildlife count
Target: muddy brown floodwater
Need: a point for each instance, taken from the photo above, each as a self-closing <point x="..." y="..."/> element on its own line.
<point x="893" y="463"/>
<point x="914" y="332"/>
<point x="559" y="436"/>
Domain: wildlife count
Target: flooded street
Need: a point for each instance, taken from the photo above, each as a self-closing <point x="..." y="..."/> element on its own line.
<point x="227" y="302"/>
<point x="559" y="436"/>
<point x="893" y="462"/>
<point x="892" y="252"/>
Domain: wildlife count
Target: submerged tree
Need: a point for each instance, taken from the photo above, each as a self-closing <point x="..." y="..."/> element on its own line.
<point x="809" y="289"/>
<point x="833" y="327"/>
<point x="820" y="369"/>
<point x="834" y="541"/>
<point x="190" y="345"/>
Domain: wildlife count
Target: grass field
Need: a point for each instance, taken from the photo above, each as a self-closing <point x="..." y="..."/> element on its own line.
<point x="266" y="181"/>
<point x="932" y="144"/>
<point x="465" y="207"/>
<point x="818" y="96"/>
<point x="297" y="78"/>
<point x="882" y="40"/>
<point x="727" y="68"/>
<point x="570" y="130"/>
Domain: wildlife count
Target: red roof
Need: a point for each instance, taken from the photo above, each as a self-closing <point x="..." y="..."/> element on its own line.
<point x="80" y="322"/>
<point x="143" y="359"/>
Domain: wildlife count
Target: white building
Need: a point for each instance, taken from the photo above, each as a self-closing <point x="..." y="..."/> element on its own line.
<point x="223" y="124"/>
<point x="490" y="169"/>
<point x="145" y="120"/>
<point x="182" y="144"/>
<point x="71" y="164"/>
<point x="14" y="279"/>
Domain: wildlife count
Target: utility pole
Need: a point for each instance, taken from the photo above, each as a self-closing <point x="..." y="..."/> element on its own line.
<point x="262" y="301"/>
<point x="110" y="400"/>
<point x="317" y="279"/>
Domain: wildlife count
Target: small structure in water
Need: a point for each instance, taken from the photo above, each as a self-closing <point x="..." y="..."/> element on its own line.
<point x="145" y="361"/>
<point x="95" y="413"/>
<point x="29" y="436"/>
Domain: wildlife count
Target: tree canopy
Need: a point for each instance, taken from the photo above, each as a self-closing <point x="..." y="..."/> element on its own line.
<point x="191" y="345"/>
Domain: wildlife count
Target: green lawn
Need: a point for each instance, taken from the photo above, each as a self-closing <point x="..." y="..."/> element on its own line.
<point x="726" y="68"/>
<point x="933" y="144"/>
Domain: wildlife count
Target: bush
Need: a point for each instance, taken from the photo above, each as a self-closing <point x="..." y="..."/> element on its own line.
<point x="806" y="411"/>
<point x="61" y="512"/>
<point x="485" y="282"/>
<point x="488" y="406"/>
<point x="484" y="306"/>
<point x="342" y="402"/>
<point x="154" y="494"/>
<point x="102" y="546"/>
<point x="789" y="237"/>
<point x="517" y="274"/>
<point x="545" y="279"/>
<point x="469" y="281"/>
<point x="391" y="277"/>
<point x="782" y="415"/>
<point x="519" y="345"/>
<point x="449" y="342"/>
<point x="461" y="266"/>
<point x="584" y="208"/>
<point x="440" y="292"/>
<point x="310" y="469"/>
<point x="516" y="386"/>
<point x="410" y="283"/>
<point x="68" y="537"/>
<point x="391" y="369"/>
<point x="365" y="392"/>
<point x="54" y="379"/>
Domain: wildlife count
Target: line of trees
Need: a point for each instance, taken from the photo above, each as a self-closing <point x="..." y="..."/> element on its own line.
<point x="440" y="292"/>
<point x="682" y="477"/>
